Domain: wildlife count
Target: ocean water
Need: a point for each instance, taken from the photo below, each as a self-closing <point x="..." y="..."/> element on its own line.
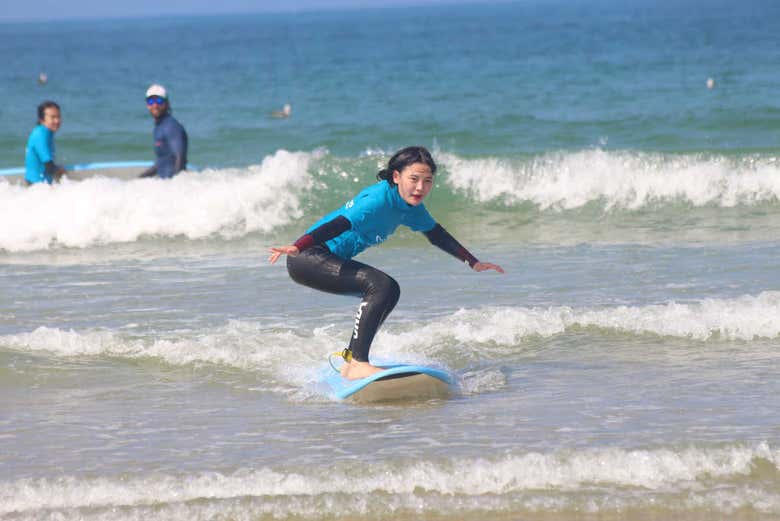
<point x="154" y="366"/>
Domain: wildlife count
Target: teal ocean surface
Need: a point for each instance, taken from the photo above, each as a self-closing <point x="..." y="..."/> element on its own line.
<point x="618" y="159"/>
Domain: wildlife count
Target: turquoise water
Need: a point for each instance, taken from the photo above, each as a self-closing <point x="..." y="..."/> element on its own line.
<point x="154" y="366"/>
<point x="503" y="80"/>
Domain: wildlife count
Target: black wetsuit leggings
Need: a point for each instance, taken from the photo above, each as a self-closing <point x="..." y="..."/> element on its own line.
<point x="318" y="268"/>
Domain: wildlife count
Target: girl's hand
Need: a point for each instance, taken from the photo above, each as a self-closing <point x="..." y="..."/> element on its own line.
<point x="282" y="250"/>
<point x="483" y="266"/>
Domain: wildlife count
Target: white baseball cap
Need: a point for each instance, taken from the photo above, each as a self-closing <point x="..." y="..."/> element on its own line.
<point x="157" y="90"/>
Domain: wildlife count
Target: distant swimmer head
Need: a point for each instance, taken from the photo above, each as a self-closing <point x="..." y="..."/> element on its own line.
<point x="43" y="78"/>
<point x="284" y="113"/>
<point x="710" y="83"/>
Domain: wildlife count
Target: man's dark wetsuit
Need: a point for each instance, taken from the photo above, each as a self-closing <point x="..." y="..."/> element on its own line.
<point x="326" y="250"/>
<point x="170" y="146"/>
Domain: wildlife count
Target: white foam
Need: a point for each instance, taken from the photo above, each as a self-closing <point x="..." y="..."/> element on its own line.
<point x="248" y="346"/>
<point x="237" y="344"/>
<point x="627" y="180"/>
<point x="536" y="480"/>
<point x="744" y="318"/>
<point x="226" y="203"/>
<point x="259" y="347"/>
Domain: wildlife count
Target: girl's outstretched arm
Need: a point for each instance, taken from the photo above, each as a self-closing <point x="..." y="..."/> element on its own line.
<point x="319" y="235"/>
<point x="442" y="239"/>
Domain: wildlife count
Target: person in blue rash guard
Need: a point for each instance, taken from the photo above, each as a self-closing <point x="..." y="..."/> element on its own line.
<point x="322" y="257"/>
<point x="39" y="166"/>
<point x="170" y="138"/>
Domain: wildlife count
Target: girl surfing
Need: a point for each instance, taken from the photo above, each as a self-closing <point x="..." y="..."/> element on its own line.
<point x="322" y="257"/>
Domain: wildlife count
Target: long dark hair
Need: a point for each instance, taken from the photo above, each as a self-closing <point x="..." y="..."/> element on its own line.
<point x="403" y="158"/>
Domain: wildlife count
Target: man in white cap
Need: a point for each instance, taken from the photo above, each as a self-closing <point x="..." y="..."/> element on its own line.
<point x="170" y="138"/>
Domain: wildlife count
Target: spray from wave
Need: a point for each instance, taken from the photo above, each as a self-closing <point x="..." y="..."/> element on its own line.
<point x="617" y="180"/>
<point x="569" y="195"/>
<point x="228" y="203"/>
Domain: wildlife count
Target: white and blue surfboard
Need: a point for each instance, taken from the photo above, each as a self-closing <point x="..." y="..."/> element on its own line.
<point x="395" y="382"/>
<point x="115" y="169"/>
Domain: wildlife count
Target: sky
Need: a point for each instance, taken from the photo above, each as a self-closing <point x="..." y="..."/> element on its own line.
<point x="39" y="10"/>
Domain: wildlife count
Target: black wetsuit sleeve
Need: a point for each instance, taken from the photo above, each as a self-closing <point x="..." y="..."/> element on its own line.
<point x="178" y="143"/>
<point x="441" y="238"/>
<point x="179" y="165"/>
<point x="324" y="232"/>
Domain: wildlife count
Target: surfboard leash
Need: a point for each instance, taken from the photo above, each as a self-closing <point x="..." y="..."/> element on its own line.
<point x="346" y="354"/>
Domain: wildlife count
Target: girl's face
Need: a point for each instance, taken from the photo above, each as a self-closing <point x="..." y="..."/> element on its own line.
<point x="51" y="118"/>
<point x="414" y="182"/>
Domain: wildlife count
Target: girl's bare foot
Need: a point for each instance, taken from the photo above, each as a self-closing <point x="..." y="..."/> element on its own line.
<point x="354" y="370"/>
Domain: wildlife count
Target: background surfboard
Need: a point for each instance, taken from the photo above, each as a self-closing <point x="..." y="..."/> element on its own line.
<point x="116" y="169"/>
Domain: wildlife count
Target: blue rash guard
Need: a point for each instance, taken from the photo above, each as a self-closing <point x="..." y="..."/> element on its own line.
<point x="374" y="213"/>
<point x="324" y="260"/>
<point x="170" y="146"/>
<point x="40" y="150"/>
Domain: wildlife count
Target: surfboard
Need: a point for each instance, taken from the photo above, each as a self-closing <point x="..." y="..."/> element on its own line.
<point x="116" y="169"/>
<point x="396" y="382"/>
